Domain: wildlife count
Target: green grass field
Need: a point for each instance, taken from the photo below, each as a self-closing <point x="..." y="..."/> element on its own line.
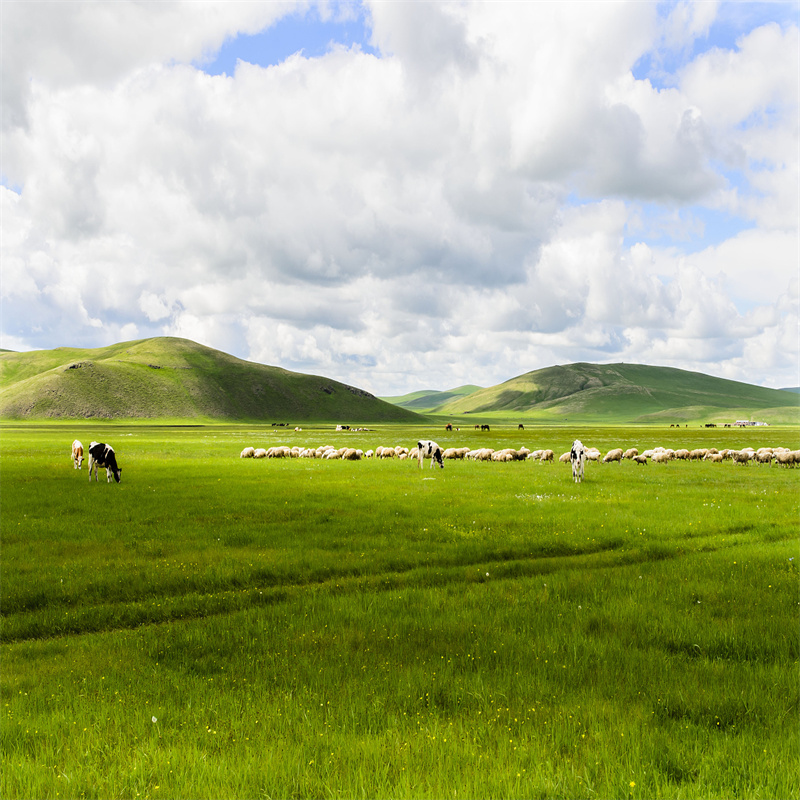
<point x="225" y="627"/>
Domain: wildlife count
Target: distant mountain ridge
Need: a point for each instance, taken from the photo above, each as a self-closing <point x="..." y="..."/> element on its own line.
<point x="619" y="393"/>
<point x="428" y="400"/>
<point x="171" y="378"/>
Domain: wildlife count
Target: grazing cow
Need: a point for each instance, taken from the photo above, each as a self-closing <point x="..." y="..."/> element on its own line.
<point x="520" y="427"/>
<point x="77" y="454"/>
<point x="484" y="427"/>
<point x="448" y="427"/>
<point x="428" y="448"/>
<point x="577" y="456"/>
<point x="102" y="455"/>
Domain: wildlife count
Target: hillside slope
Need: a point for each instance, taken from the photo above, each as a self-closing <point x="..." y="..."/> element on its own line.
<point x="625" y="392"/>
<point x="178" y="379"/>
<point x="430" y="400"/>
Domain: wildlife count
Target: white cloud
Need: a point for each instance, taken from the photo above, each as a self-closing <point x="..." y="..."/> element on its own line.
<point x="465" y="207"/>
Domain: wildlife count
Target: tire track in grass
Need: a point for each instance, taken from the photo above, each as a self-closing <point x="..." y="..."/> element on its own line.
<point x="56" y="621"/>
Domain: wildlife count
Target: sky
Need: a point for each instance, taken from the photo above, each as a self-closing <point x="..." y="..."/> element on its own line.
<point x="406" y="195"/>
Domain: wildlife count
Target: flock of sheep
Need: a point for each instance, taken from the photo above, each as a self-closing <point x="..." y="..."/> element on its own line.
<point x="658" y="455"/>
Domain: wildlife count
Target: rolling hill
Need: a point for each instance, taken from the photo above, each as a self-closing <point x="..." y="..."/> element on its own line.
<point x="429" y="400"/>
<point x="627" y="393"/>
<point x="169" y="378"/>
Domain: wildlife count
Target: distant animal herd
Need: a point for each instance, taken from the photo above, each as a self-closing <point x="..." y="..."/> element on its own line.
<point x="102" y="455"/>
<point x="576" y="456"/>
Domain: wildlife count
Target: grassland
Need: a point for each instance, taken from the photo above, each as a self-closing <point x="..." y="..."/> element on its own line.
<point x="220" y="627"/>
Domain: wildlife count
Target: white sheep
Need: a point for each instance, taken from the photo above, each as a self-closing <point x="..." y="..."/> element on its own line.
<point x="613" y="455"/>
<point x="630" y="453"/>
<point x="248" y="452"/>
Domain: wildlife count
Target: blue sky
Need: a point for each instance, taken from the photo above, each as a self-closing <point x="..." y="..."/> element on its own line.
<point x="506" y="186"/>
<point x="304" y="32"/>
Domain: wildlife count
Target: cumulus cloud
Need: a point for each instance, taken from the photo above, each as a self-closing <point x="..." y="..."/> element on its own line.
<point x="492" y="192"/>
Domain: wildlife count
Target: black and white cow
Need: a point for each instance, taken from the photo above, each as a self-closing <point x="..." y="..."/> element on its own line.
<point x="577" y="457"/>
<point x="427" y="448"/>
<point x="102" y="455"/>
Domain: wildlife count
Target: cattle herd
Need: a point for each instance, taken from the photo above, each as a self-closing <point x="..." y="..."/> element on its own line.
<point x="100" y="455"/>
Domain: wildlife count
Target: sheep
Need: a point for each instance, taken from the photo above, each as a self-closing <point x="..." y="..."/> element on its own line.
<point x="630" y="453"/>
<point x="564" y="458"/>
<point x="260" y="453"/>
<point x="455" y="452"/>
<point x="507" y="454"/>
<point x="641" y="459"/>
<point x="592" y="454"/>
<point x="714" y="458"/>
<point x="682" y="455"/>
<point x="741" y="456"/>
<point x="661" y="458"/>
<point x="613" y="455"/>
<point x="279" y="452"/>
<point x="483" y="454"/>
<point x="547" y="456"/>
<point x="788" y="458"/>
<point x="248" y="452"/>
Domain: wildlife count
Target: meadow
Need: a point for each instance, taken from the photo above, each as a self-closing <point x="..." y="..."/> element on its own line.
<point x="223" y="627"/>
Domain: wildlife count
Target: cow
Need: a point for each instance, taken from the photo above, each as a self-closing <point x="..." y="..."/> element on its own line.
<point x="520" y="427"/>
<point x="577" y="457"/>
<point x="102" y="455"/>
<point x="484" y="427"/>
<point x="428" y="448"/>
<point x="449" y="426"/>
<point x="77" y="454"/>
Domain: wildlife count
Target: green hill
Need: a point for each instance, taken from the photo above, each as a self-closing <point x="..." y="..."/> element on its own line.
<point x="430" y="400"/>
<point x="168" y="378"/>
<point x="627" y="393"/>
